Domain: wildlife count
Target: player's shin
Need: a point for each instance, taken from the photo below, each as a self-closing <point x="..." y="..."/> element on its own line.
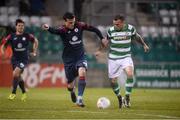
<point x="21" y="85"/>
<point x="129" y="86"/>
<point x="15" y="84"/>
<point x="81" y="85"/>
<point x="115" y="87"/>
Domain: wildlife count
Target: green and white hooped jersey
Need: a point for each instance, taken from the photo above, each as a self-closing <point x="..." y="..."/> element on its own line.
<point x="120" y="41"/>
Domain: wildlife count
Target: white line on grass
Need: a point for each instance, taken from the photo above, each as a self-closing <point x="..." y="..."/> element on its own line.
<point x="94" y="112"/>
<point x="79" y="111"/>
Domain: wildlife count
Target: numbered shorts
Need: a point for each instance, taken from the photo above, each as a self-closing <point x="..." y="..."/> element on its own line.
<point x="71" y="70"/>
<point x="115" y="67"/>
<point x="19" y="64"/>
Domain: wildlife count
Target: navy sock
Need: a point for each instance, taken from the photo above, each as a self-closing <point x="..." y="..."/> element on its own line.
<point x="15" y="84"/>
<point x="81" y="85"/>
<point x="21" y="85"/>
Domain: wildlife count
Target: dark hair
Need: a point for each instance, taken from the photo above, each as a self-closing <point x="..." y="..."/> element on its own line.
<point x="19" y="21"/>
<point x="68" y="15"/>
<point x="119" y="17"/>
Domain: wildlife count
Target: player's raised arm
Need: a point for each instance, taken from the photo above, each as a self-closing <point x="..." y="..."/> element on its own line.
<point x="51" y="29"/>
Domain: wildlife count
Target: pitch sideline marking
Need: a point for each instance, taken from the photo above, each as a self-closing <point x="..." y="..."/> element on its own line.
<point x="103" y="112"/>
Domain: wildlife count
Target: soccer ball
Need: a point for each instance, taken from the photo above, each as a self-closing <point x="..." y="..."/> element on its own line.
<point x="103" y="103"/>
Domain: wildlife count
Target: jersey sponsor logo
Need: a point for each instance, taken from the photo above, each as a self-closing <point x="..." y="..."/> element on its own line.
<point x="74" y="40"/>
<point x="115" y="34"/>
<point x="19" y="45"/>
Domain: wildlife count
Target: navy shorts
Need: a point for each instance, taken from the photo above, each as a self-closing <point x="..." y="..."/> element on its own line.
<point x="19" y="64"/>
<point x="71" y="70"/>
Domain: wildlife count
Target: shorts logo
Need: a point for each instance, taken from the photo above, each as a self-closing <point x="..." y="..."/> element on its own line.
<point x="21" y="65"/>
<point x="85" y="64"/>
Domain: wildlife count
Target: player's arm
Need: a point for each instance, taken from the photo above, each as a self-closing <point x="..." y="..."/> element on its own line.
<point x="91" y="29"/>
<point x="35" y="42"/>
<point x="138" y="38"/>
<point x="4" y="44"/>
<point x="51" y="29"/>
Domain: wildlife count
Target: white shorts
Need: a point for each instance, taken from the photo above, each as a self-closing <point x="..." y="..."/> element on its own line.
<point x="115" y="67"/>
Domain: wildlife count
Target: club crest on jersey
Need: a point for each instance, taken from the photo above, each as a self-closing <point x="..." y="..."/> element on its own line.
<point x="19" y="45"/>
<point x="76" y="29"/>
<point x="74" y="38"/>
<point x="23" y="38"/>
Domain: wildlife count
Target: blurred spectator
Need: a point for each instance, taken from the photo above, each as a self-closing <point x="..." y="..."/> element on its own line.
<point x="37" y="7"/>
<point x="24" y="7"/>
<point x="2" y="3"/>
<point x="78" y="9"/>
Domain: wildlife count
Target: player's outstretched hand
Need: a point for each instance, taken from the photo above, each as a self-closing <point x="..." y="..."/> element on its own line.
<point x="146" y="48"/>
<point x="33" y="54"/>
<point x="45" y="26"/>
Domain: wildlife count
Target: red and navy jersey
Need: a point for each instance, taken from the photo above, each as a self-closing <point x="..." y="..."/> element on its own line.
<point x="72" y="40"/>
<point x="19" y="45"/>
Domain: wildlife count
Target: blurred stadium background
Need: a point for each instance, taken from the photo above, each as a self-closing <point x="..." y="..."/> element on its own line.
<point x="158" y="21"/>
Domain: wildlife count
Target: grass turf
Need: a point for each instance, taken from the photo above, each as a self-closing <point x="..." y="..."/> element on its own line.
<point x="52" y="103"/>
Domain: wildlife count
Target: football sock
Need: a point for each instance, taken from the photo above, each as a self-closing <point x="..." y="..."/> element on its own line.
<point x="15" y="84"/>
<point x="21" y="85"/>
<point x="129" y="86"/>
<point x="70" y="89"/>
<point x="81" y="85"/>
<point x="116" y="88"/>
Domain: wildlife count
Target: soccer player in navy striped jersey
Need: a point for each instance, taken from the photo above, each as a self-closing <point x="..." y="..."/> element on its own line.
<point x="74" y="57"/>
<point x="19" y="43"/>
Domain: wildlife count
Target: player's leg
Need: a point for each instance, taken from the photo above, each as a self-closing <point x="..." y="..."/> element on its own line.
<point x="71" y="89"/>
<point x="16" y="75"/>
<point x="21" y="85"/>
<point x="71" y="75"/>
<point x="129" y="70"/>
<point x="81" y="68"/>
<point x="81" y="85"/>
<point x="113" y="73"/>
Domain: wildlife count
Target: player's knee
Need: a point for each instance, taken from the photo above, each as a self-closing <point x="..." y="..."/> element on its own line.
<point x="82" y="71"/>
<point x="130" y="74"/>
<point x="16" y="75"/>
<point x="113" y="80"/>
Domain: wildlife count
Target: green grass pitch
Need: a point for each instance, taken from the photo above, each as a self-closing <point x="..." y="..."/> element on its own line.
<point x="55" y="103"/>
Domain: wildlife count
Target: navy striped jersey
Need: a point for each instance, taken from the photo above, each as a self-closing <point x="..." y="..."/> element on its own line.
<point x="72" y="40"/>
<point x="19" y="45"/>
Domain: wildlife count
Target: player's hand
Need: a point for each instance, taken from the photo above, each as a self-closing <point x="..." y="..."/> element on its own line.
<point x="45" y="26"/>
<point x="105" y="42"/>
<point x="33" y="54"/>
<point x="97" y="53"/>
<point x="146" y="48"/>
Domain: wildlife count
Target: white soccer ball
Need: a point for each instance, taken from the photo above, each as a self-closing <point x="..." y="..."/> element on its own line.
<point x="103" y="103"/>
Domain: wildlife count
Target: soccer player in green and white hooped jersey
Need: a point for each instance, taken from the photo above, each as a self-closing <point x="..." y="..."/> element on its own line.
<point x="119" y="38"/>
